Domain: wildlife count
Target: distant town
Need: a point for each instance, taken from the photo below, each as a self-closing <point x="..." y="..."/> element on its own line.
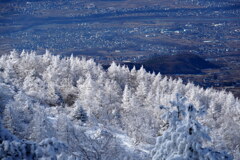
<point x="120" y="33"/>
<point x="129" y="32"/>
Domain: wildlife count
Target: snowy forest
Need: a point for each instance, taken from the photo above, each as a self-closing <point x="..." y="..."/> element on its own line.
<point x="64" y="108"/>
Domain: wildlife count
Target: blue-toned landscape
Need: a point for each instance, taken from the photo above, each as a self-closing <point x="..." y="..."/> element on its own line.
<point x="119" y="79"/>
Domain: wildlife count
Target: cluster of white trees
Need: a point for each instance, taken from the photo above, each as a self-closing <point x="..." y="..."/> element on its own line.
<point x="185" y="136"/>
<point x="13" y="148"/>
<point x="85" y="107"/>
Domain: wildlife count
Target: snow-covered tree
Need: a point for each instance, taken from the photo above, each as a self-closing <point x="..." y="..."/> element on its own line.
<point x="141" y="93"/>
<point x="185" y="136"/>
<point x="34" y="86"/>
<point x="126" y="104"/>
<point x="41" y="127"/>
<point x="80" y="113"/>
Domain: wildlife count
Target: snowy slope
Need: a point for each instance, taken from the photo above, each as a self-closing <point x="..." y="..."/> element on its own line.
<point x="97" y="114"/>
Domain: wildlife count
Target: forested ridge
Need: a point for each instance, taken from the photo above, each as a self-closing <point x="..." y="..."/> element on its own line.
<point x="71" y="108"/>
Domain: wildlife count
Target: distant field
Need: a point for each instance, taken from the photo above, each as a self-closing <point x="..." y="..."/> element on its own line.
<point x="140" y="28"/>
<point x="129" y="31"/>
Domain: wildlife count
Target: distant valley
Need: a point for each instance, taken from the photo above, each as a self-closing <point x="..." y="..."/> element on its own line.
<point x="120" y="30"/>
<point x="175" y="64"/>
<point x="220" y="72"/>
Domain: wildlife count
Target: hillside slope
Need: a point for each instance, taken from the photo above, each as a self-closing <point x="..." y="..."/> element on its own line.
<point x="91" y="113"/>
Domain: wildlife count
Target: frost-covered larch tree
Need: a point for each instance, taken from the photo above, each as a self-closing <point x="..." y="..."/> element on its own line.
<point x="183" y="140"/>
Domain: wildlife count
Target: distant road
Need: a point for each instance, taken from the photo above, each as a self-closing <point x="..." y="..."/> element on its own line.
<point x="131" y="15"/>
